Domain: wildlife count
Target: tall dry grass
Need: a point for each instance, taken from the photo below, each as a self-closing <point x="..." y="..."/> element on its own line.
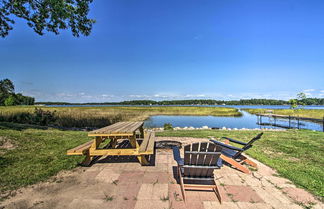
<point x="95" y="117"/>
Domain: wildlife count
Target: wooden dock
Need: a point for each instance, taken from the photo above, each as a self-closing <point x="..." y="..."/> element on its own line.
<point x="289" y="118"/>
<point x="276" y="125"/>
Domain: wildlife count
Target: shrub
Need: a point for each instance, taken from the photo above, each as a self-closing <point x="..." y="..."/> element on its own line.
<point x="10" y="101"/>
<point x="168" y="126"/>
<point x="43" y="117"/>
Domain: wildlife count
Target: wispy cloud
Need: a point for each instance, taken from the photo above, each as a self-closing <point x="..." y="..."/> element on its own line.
<point x="107" y="97"/>
<point x="309" y="90"/>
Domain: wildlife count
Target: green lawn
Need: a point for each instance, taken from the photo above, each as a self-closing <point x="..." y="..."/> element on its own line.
<point x="296" y="154"/>
<point x="35" y="154"/>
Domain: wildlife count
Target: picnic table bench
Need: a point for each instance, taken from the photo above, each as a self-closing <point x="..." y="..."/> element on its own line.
<point x="121" y="130"/>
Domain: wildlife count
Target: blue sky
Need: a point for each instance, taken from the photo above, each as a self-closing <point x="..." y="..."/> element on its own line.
<point x="174" y="49"/>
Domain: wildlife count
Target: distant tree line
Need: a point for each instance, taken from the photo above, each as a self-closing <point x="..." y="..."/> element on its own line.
<point x="306" y="101"/>
<point x="8" y="96"/>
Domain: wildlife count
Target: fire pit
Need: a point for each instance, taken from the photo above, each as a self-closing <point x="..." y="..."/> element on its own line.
<point x="168" y="144"/>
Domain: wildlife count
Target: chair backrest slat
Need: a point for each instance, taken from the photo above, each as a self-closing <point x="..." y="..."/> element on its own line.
<point x="194" y="160"/>
<point x="194" y="147"/>
<point x="201" y="159"/>
<point x="208" y="172"/>
<point x="187" y="159"/>
<point x="214" y="159"/>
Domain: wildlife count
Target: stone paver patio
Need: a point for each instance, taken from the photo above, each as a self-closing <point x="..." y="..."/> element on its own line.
<point x="127" y="184"/>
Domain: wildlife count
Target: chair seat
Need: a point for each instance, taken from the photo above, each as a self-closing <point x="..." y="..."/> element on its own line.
<point x="190" y="177"/>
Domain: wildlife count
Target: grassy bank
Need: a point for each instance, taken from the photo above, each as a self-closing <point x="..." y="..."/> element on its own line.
<point x="295" y="154"/>
<point x="29" y="154"/>
<point x="318" y="113"/>
<point x="103" y="116"/>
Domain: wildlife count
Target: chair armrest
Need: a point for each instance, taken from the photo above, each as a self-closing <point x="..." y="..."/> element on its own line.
<point x="235" y="141"/>
<point x="176" y="155"/>
<point x="226" y="145"/>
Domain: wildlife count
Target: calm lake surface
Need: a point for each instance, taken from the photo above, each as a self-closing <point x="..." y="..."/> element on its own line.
<point x="248" y="121"/>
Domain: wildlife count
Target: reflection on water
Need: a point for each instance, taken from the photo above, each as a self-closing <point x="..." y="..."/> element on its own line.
<point x="247" y="120"/>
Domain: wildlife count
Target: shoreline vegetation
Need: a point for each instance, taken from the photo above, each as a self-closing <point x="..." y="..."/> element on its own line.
<point x="96" y="117"/>
<point x="306" y="101"/>
<point x="310" y="113"/>
<point x="295" y="154"/>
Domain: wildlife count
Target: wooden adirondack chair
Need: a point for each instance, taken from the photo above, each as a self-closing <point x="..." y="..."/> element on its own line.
<point x="233" y="155"/>
<point x="196" y="169"/>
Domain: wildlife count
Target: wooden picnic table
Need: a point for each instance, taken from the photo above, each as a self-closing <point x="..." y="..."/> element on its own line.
<point x="121" y="130"/>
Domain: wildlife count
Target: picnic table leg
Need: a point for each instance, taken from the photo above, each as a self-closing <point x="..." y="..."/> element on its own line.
<point x="142" y="159"/>
<point x="134" y="144"/>
<point x="142" y="132"/>
<point x="96" y="143"/>
<point x="87" y="160"/>
<point x="94" y="146"/>
<point x="113" y="143"/>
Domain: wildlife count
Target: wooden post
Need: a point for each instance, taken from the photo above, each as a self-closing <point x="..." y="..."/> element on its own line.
<point x="275" y="121"/>
<point x="298" y="122"/>
<point x="258" y="119"/>
<point x="323" y="123"/>
<point x="289" y="122"/>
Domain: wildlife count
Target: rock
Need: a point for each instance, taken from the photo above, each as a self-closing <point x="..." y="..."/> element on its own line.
<point x="235" y="129"/>
<point x="224" y="128"/>
<point x="229" y="129"/>
<point x="204" y="127"/>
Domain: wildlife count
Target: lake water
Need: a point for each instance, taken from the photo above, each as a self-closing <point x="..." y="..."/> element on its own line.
<point x="247" y="120"/>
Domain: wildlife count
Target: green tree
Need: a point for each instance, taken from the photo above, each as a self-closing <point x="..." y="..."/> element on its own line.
<point x="301" y="97"/>
<point x="293" y="103"/>
<point x="10" y="101"/>
<point x="8" y="96"/>
<point x="49" y="15"/>
<point x="7" y="88"/>
<point x="299" y="101"/>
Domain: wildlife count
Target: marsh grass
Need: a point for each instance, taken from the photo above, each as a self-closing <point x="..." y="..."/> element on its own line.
<point x="95" y="117"/>
<point x="280" y="150"/>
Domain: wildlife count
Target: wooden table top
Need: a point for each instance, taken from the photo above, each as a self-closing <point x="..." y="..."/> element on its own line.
<point x="117" y="128"/>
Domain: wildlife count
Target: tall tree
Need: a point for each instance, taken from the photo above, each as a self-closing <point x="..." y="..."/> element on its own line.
<point x="7" y="88"/>
<point x="50" y="15"/>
